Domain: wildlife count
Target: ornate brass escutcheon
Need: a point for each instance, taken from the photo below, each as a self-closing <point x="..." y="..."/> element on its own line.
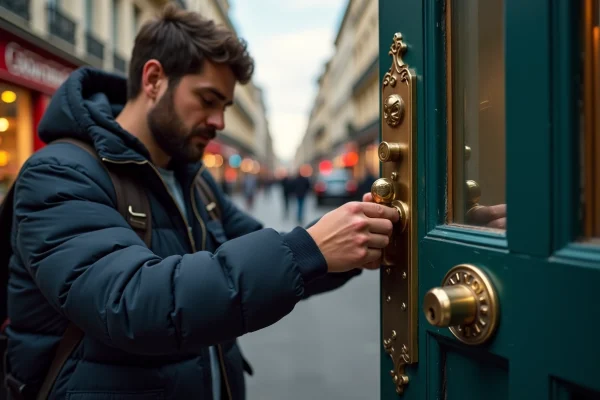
<point x="466" y="303"/>
<point x="395" y="188"/>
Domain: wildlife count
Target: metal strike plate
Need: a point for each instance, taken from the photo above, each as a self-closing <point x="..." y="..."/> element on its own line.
<point x="398" y="155"/>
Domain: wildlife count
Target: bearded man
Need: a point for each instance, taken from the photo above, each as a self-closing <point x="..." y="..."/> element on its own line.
<point x="157" y="321"/>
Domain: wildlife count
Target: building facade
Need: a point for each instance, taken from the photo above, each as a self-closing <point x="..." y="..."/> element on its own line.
<point x="349" y="91"/>
<point x="43" y="41"/>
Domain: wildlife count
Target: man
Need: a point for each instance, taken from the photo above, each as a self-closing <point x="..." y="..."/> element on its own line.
<point x="159" y="322"/>
<point x="301" y="187"/>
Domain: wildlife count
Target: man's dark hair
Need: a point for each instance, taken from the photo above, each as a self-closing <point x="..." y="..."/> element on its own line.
<point x="181" y="41"/>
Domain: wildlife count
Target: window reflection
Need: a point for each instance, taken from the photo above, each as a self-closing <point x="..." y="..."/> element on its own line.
<point x="476" y="111"/>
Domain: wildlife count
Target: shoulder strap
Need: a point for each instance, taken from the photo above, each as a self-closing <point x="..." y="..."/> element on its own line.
<point x="132" y="200"/>
<point x="133" y="204"/>
<point x="67" y="345"/>
<point x="208" y="198"/>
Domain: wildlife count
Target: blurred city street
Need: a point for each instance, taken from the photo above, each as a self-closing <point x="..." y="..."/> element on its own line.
<point x="328" y="347"/>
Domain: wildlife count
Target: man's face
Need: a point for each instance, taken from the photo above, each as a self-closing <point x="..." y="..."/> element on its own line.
<point x="187" y="115"/>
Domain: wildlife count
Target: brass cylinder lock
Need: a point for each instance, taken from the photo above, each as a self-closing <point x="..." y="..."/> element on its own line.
<point x="466" y="303"/>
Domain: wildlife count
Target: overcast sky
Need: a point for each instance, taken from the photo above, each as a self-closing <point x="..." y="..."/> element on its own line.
<point x="290" y="41"/>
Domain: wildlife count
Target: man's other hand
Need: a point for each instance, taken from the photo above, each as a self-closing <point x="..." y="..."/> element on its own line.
<point x="489" y="216"/>
<point x="353" y="235"/>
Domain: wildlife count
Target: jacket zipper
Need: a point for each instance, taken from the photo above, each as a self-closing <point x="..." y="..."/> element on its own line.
<point x="190" y="237"/>
<point x="219" y="347"/>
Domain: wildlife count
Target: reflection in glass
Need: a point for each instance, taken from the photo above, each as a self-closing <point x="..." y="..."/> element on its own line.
<point x="591" y="119"/>
<point x="476" y="113"/>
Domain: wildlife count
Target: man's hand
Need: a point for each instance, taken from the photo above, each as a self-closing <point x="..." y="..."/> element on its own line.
<point x="489" y="216"/>
<point x="353" y="235"/>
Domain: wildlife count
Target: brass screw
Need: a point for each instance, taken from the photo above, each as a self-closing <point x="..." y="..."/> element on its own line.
<point x="404" y="348"/>
<point x="388" y="271"/>
<point x="394" y="335"/>
<point x="394" y="176"/>
<point x="404" y="275"/>
<point x="403" y="306"/>
<point x="388" y="299"/>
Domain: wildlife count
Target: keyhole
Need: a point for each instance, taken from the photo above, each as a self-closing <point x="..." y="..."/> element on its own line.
<point x="431" y="314"/>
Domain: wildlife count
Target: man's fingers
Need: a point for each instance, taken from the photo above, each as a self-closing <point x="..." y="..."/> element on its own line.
<point x="373" y="255"/>
<point x="497" y="223"/>
<point x="372" y="265"/>
<point x="381" y="226"/>
<point x="374" y="210"/>
<point x="368" y="197"/>
<point x="484" y="215"/>
<point x="378" y="241"/>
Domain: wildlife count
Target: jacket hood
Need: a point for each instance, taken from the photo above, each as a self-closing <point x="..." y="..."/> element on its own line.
<point x="85" y="107"/>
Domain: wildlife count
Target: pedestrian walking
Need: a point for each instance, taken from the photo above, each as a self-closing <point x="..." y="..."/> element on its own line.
<point x="301" y="188"/>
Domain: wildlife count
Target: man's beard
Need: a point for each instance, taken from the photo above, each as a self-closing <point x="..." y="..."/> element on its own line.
<point x="171" y="135"/>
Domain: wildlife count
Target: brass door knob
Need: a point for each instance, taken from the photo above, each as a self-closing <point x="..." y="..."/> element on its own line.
<point x="466" y="303"/>
<point x="383" y="191"/>
<point x="391" y="151"/>
<point x="473" y="195"/>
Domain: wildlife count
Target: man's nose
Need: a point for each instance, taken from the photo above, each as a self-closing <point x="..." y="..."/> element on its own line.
<point x="217" y="121"/>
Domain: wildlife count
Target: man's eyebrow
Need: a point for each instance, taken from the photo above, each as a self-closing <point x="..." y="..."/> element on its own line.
<point x="220" y="95"/>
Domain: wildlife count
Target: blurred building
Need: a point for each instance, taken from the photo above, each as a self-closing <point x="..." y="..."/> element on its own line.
<point x="42" y="41"/>
<point x="343" y="127"/>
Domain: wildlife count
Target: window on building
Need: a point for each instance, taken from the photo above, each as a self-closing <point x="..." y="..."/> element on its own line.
<point x="89" y="12"/>
<point x="116" y="18"/>
<point x="137" y="17"/>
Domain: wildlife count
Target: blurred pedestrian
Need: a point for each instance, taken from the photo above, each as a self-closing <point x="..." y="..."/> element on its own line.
<point x="301" y="188"/>
<point x="250" y="186"/>
<point x="287" y="187"/>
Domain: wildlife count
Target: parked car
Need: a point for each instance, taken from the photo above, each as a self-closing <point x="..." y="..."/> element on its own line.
<point x="336" y="186"/>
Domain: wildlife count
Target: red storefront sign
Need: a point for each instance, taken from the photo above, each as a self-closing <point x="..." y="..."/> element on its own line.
<point x="23" y="64"/>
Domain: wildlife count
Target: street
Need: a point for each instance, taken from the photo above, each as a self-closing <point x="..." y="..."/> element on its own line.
<point x="328" y="347"/>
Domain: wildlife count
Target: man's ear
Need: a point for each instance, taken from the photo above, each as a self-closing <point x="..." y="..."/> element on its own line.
<point x="153" y="77"/>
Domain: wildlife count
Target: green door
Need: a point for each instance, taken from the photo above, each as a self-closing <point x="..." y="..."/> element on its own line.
<point x="490" y="106"/>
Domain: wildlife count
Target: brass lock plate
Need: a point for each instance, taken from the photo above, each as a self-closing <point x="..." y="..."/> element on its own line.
<point x="398" y="171"/>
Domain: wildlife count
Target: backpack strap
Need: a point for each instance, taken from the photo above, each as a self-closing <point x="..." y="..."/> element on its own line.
<point x="134" y="206"/>
<point x="207" y="196"/>
<point x="132" y="200"/>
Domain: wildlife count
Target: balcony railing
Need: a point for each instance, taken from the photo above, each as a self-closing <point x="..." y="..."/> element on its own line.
<point x="119" y="63"/>
<point x="60" y="25"/>
<point x="17" y="7"/>
<point x="94" y="46"/>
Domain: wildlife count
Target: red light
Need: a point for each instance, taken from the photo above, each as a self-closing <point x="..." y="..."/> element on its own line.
<point x="320" y="187"/>
<point x="351" y="159"/>
<point x="351" y="186"/>
<point x="325" y="166"/>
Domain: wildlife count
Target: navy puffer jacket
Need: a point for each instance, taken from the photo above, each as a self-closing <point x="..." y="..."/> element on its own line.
<point x="148" y="314"/>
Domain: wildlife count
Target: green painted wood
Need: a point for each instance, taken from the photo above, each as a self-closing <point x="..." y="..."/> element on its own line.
<point x="545" y="347"/>
<point x="567" y="78"/>
<point x="528" y="125"/>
